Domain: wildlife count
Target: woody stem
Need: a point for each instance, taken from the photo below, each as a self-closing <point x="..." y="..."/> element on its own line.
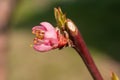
<point x="83" y="51"/>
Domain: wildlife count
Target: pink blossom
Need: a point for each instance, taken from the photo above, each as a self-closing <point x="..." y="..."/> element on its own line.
<point x="46" y="37"/>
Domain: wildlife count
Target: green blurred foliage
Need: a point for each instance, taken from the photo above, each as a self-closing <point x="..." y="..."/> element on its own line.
<point x="98" y="20"/>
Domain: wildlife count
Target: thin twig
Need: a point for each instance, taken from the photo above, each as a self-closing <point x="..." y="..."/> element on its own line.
<point x="81" y="48"/>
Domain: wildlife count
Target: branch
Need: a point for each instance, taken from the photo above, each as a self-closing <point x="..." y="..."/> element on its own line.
<point x="81" y="48"/>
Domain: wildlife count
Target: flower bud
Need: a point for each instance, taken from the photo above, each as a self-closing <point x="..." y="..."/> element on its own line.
<point x="46" y="37"/>
<point x="114" y="76"/>
<point x="60" y="17"/>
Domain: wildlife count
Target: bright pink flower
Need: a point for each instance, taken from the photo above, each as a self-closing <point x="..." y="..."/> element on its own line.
<point x="46" y="37"/>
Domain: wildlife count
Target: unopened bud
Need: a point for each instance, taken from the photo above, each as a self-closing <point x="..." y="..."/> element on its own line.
<point x="60" y="17"/>
<point x="114" y="76"/>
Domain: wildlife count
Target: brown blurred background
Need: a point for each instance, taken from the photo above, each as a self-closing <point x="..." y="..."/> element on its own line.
<point x="98" y="21"/>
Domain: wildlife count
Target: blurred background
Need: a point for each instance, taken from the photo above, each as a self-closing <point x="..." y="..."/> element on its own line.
<point x="98" y="21"/>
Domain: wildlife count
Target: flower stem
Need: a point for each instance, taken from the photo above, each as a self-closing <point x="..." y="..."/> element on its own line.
<point x="81" y="48"/>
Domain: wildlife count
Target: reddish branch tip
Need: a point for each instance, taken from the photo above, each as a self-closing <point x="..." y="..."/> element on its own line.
<point x="71" y="26"/>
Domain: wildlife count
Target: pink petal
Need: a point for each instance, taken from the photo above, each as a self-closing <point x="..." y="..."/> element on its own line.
<point x="51" y="34"/>
<point x="42" y="47"/>
<point x="38" y="28"/>
<point x="52" y="37"/>
<point x="48" y="26"/>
